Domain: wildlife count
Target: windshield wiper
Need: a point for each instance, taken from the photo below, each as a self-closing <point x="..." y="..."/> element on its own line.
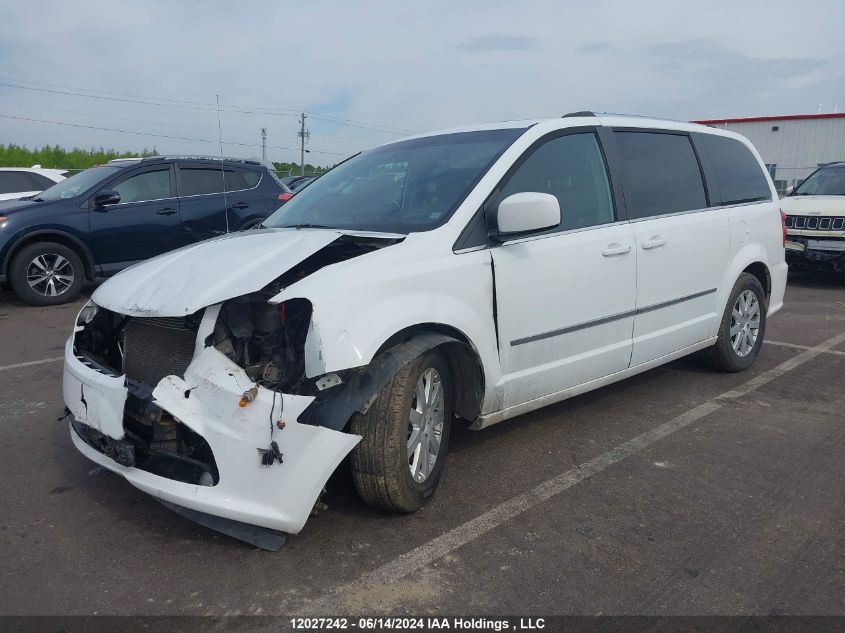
<point x="39" y="199"/>
<point x="306" y="226"/>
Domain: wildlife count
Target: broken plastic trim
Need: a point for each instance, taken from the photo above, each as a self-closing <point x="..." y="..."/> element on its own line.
<point x="261" y="537"/>
<point x="334" y="407"/>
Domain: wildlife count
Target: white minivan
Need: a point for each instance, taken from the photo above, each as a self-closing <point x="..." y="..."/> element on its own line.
<point x="470" y="275"/>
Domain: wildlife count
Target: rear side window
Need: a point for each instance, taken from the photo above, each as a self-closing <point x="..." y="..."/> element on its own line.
<point x="17" y="182"/>
<point x="570" y="168"/>
<point x="738" y="174"/>
<point x="38" y="182"/>
<point x="250" y="177"/>
<point x="197" y="181"/>
<point x="661" y="174"/>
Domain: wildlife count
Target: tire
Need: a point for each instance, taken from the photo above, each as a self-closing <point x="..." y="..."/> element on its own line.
<point x="381" y="463"/>
<point x="66" y="266"/>
<point x="724" y="355"/>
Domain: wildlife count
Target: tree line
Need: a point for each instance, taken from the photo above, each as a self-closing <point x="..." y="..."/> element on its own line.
<point x="54" y="156"/>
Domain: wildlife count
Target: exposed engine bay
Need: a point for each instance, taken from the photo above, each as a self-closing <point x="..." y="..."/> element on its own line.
<point x="214" y="396"/>
<point x="266" y="340"/>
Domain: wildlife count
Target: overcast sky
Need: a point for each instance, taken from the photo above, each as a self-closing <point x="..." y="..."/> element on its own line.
<point x="397" y="66"/>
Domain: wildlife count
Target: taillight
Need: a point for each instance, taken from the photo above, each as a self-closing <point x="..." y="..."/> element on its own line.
<point x="783" y="226"/>
<point x="285" y="196"/>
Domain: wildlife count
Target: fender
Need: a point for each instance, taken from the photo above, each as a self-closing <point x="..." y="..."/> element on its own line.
<point x="333" y="407"/>
<point x="353" y="318"/>
<point x="748" y="254"/>
<point x="84" y="251"/>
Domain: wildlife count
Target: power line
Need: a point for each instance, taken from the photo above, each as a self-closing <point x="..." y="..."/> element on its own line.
<point x="366" y="126"/>
<point x="107" y="98"/>
<point x="105" y="92"/>
<point x="165" y="136"/>
<point x="107" y="116"/>
<point x="192" y="105"/>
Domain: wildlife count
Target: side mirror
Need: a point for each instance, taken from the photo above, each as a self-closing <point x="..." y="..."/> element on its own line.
<point x="788" y="191"/>
<point x="106" y="196"/>
<point x="527" y="212"/>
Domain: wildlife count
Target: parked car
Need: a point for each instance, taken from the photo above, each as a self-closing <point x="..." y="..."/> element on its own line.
<point x="299" y="184"/>
<point x="19" y="182"/>
<point x="815" y="220"/>
<point x="474" y="274"/>
<point x="293" y="181"/>
<point x="106" y="218"/>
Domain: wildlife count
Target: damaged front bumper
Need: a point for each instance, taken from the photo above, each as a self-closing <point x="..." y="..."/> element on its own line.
<point x="243" y="487"/>
<point x="815" y="254"/>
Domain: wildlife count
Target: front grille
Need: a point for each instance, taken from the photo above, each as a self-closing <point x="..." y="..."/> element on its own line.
<point x="814" y="223"/>
<point x="156" y="347"/>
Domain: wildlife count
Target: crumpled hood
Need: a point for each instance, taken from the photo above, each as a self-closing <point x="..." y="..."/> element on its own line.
<point x="813" y="205"/>
<point x="183" y="281"/>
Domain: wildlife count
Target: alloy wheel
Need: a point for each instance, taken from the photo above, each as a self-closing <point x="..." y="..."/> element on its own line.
<point x="50" y="274"/>
<point x="425" y="425"/>
<point x="745" y="323"/>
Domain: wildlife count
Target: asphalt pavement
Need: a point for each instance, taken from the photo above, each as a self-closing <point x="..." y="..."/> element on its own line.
<point x="680" y="491"/>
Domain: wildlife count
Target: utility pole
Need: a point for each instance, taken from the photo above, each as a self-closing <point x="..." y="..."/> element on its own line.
<point x="303" y="135"/>
<point x="264" y="143"/>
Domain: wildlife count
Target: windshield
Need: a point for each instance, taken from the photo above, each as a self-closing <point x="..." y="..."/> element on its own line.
<point x="827" y="181"/>
<point x="412" y="185"/>
<point x="77" y="184"/>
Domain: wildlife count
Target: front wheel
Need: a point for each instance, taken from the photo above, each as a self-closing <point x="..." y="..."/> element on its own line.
<point x="46" y="273"/>
<point x="399" y="462"/>
<point x="742" y="328"/>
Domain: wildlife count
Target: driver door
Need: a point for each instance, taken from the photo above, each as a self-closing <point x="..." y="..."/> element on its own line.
<point x="565" y="298"/>
<point x="144" y="223"/>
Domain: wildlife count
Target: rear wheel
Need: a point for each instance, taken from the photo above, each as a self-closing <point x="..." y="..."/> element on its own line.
<point x="399" y="462"/>
<point x="742" y="328"/>
<point x="46" y="273"/>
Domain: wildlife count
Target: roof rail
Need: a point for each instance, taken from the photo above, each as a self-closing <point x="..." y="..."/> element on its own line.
<point x="580" y="113"/>
<point x="645" y="116"/>
<point x="228" y="159"/>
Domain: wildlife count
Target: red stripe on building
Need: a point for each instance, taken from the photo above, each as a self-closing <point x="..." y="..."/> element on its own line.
<point x="786" y="117"/>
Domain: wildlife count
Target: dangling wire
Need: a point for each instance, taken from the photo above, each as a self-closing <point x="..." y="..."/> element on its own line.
<point x="222" y="168"/>
<point x="272" y="408"/>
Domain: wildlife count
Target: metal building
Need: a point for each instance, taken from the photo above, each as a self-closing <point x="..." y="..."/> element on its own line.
<point x="792" y="146"/>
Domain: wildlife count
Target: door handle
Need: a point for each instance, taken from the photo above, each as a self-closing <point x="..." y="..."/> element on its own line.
<point x="240" y="205"/>
<point x="615" y="248"/>
<point x="655" y="241"/>
<point x="167" y="211"/>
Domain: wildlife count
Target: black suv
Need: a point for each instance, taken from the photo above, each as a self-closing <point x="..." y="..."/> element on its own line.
<point x="106" y="218"/>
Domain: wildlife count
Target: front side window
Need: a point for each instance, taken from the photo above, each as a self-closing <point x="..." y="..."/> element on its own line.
<point x="412" y="185"/>
<point x="78" y="183"/>
<point x="827" y="181"/>
<point x="570" y="168"/>
<point x="151" y="185"/>
<point x="661" y="174"/>
<point x="738" y="174"/>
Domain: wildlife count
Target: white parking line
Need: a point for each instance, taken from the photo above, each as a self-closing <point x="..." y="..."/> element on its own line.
<point x="796" y="346"/>
<point x="448" y="542"/>
<point x="31" y="363"/>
